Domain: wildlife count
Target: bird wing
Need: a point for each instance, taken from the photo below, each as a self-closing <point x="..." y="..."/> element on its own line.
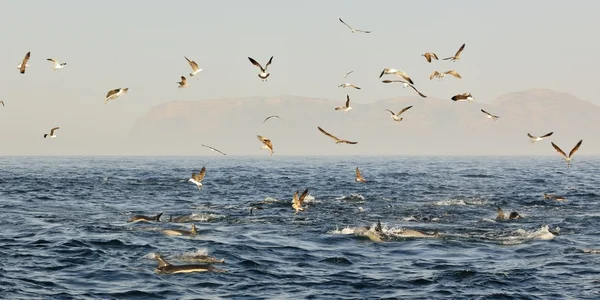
<point x="345" y="75"/>
<point x="296" y="201"/>
<point x="434" y="55"/>
<point x="53" y="130"/>
<point x="383" y="72"/>
<point x="53" y="60"/>
<point x="363" y="31"/>
<point x="358" y="176"/>
<point x="405" y="76"/>
<point x="348" y="142"/>
<point x="194" y="176"/>
<point x="112" y="92"/>
<point x="435" y="73"/>
<point x="24" y="63"/>
<point x="261" y="138"/>
<point x="302" y="196"/>
<point x="213" y="149"/>
<point x="458" y="97"/>
<point x="269" y="63"/>
<point x="453" y="73"/>
<point x="547" y="135"/>
<point x="270" y="117"/>
<point x="459" y="50"/>
<point x="192" y="63"/>
<point x="392" y="81"/>
<point x="575" y="149"/>
<point x="354" y="86"/>
<point x="487" y="113"/>
<point x="183" y="80"/>
<point x="427" y="56"/>
<point x="403" y="110"/>
<point x="559" y="150"/>
<point x="327" y="133"/>
<point x="414" y="88"/>
<point x="530" y="136"/>
<point x="254" y="62"/>
<point x="345" y="24"/>
<point x="393" y="113"/>
<point x="201" y="174"/>
<point x="2" y="103"/>
<point x="347" y="101"/>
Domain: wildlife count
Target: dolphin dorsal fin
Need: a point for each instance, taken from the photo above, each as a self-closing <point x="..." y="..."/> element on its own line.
<point x="157" y="217"/>
<point x="194" y="230"/>
<point x="378" y="226"/>
<point x="161" y="261"/>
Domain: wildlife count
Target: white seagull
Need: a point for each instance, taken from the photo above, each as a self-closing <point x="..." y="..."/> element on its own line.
<point x="457" y="55"/>
<point x="396" y="116"/>
<point x="490" y="116"/>
<point x="213" y="149"/>
<point x="396" y="72"/>
<point x="405" y="84"/>
<point x="194" y="65"/>
<point x="352" y="29"/>
<point x="263" y="71"/>
<point x="534" y="139"/>
<point x="567" y="158"/>
<point x="298" y="201"/>
<point x="345" y="85"/>
<point x="197" y="178"/>
<point x="183" y="83"/>
<point x="24" y="64"/>
<point x="57" y="65"/>
<point x="346" y="107"/>
<point x="114" y="94"/>
<point x="52" y="132"/>
<point x="441" y="75"/>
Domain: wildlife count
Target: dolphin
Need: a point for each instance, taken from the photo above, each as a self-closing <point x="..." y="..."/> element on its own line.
<point x="181" y="219"/>
<point x="179" y="232"/>
<point x="141" y="218"/>
<point x="417" y="233"/>
<point x="166" y="268"/>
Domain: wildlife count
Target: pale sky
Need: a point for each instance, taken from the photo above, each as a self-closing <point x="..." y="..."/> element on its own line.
<point x="510" y="46"/>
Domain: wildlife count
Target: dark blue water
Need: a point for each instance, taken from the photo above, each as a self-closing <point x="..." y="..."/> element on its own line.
<point x="64" y="231"/>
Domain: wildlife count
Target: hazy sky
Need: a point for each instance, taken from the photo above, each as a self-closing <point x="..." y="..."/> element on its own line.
<point x="510" y="46"/>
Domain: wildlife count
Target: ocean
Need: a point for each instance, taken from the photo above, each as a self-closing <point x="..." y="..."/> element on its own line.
<point x="65" y="233"/>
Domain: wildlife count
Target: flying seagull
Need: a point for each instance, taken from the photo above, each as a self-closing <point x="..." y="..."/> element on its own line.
<point x="396" y="72"/>
<point x="298" y="201"/>
<point x="345" y="85"/>
<point x="267" y="143"/>
<point x="52" y="135"/>
<point x="197" y="178"/>
<point x="359" y="177"/>
<point x="567" y="158"/>
<point x="429" y="55"/>
<point x="463" y="97"/>
<point x="194" y="65"/>
<point x="114" y="94"/>
<point x="396" y="116"/>
<point x="457" y="55"/>
<point x="337" y="141"/>
<point x="57" y="65"/>
<point x="183" y="83"/>
<point x="534" y="139"/>
<point x="352" y="29"/>
<point x="441" y="75"/>
<point x="346" y="107"/>
<point x="24" y="64"/>
<point x="405" y="84"/>
<point x="213" y="149"/>
<point x="346" y="75"/>
<point x="263" y="72"/>
<point x="488" y="115"/>
<point x="270" y="117"/>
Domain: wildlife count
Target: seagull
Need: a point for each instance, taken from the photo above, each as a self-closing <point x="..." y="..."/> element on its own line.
<point x="52" y="135"/>
<point x="538" y="138"/>
<point x="24" y="64"/>
<point x="457" y="55"/>
<point x="298" y="201"/>
<point x="270" y="117"/>
<point x="114" y="94"/>
<point x="443" y="74"/>
<point x="463" y="97"/>
<point x="2" y="103"/>
<point x="183" y="83"/>
<point x="346" y="75"/>
<point x="213" y="149"/>
<point x="346" y="107"/>
<point x="405" y="84"/>
<point x="429" y="55"/>
<point x="194" y="66"/>
<point x="359" y="177"/>
<point x="57" y="65"/>
<point x="488" y="115"/>
<point x="395" y="116"/>
<point x="352" y="29"/>
<point x="567" y="158"/>
<point x="197" y="178"/>
<point x="345" y="85"/>
<point x="337" y="141"/>
<point x="263" y="72"/>
<point x="396" y="72"/>
<point x="267" y="143"/>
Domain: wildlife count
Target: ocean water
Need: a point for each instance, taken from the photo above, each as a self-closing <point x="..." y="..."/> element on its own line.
<point x="64" y="231"/>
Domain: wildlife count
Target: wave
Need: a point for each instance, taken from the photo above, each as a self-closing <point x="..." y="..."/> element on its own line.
<point x="352" y="197"/>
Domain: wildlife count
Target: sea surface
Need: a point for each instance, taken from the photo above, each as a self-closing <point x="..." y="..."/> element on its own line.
<point x="64" y="232"/>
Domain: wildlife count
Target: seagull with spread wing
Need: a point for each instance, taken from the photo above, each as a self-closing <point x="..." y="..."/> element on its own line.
<point x="183" y="83"/>
<point x="396" y="116"/>
<point x="359" y="177"/>
<point x="197" y="178"/>
<point x="267" y="144"/>
<point x="345" y="85"/>
<point x="52" y="132"/>
<point x="429" y="56"/>
<point x="400" y="73"/>
<point x="337" y="141"/>
<point x="352" y="29"/>
<point x="533" y="139"/>
<point x="457" y="55"/>
<point x="345" y="107"/>
<point x="194" y="65"/>
<point x="567" y="158"/>
<point x="213" y="149"/>
<point x="405" y="84"/>
<point x="263" y="71"/>
<point x="298" y="201"/>
<point x="24" y="64"/>
<point x="441" y="75"/>
<point x="57" y="65"/>
<point x="490" y="116"/>
<point x="346" y="75"/>
<point x="271" y="117"/>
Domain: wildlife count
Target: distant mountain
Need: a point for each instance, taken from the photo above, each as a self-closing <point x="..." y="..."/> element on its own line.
<point x="431" y="127"/>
